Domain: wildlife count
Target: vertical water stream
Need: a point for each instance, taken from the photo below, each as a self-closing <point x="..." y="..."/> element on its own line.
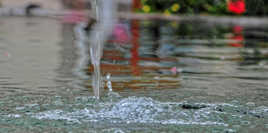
<point x="105" y="11"/>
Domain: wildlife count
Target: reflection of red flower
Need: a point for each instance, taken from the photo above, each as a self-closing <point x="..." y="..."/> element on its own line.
<point x="238" y="36"/>
<point x="239" y="39"/>
<point x="236" y="6"/>
<point x="237" y="29"/>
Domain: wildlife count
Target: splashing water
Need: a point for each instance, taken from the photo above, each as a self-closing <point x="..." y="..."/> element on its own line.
<point x="142" y="110"/>
<point x="105" y="12"/>
<point x="126" y="114"/>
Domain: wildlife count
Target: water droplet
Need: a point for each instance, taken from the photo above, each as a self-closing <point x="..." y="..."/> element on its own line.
<point x="109" y="83"/>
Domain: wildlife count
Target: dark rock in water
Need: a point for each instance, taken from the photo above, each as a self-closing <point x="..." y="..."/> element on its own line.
<point x="29" y="8"/>
<point x="220" y="109"/>
<point x="193" y="106"/>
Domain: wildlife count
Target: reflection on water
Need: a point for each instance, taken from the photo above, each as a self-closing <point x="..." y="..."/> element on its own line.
<point x="180" y="74"/>
<point x="29" y="56"/>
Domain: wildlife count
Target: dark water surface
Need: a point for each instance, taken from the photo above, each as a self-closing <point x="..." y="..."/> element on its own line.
<point x="168" y="77"/>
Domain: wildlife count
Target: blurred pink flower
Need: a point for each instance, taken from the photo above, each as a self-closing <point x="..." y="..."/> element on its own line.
<point x="120" y="34"/>
<point x="173" y="70"/>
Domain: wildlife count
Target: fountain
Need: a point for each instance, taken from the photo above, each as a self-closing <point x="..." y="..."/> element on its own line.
<point x="105" y="14"/>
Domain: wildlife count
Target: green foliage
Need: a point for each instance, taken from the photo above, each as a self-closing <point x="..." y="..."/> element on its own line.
<point x="185" y="6"/>
<point x="257" y="7"/>
<point x="216" y="7"/>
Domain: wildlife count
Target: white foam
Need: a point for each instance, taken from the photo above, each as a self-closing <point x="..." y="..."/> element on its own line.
<point x="137" y="110"/>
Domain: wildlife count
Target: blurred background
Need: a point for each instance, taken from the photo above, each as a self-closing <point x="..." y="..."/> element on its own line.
<point x="215" y="7"/>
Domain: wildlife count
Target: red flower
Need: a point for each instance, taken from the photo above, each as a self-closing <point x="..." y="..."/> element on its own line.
<point x="236" y="6"/>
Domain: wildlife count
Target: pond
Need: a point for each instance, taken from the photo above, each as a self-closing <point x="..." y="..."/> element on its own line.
<point x="166" y="76"/>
